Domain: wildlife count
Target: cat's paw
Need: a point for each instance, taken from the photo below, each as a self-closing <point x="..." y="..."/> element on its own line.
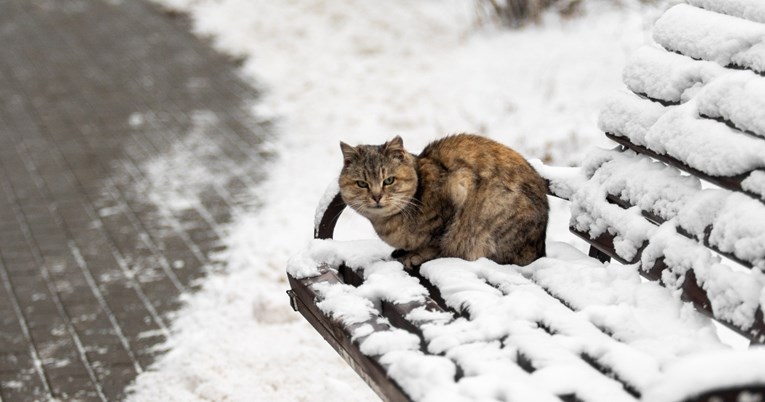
<point x="398" y="253"/>
<point x="411" y="260"/>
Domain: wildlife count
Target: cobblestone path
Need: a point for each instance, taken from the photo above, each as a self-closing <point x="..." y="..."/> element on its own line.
<point x="126" y="145"/>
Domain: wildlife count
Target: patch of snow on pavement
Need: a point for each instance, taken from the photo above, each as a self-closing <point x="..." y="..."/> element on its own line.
<point x="362" y="72"/>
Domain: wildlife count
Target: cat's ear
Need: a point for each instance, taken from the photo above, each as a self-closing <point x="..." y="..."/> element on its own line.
<point x="349" y="153"/>
<point x="395" y="144"/>
<point x="395" y="147"/>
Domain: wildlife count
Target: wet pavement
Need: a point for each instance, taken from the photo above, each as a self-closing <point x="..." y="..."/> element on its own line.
<point x="126" y="146"/>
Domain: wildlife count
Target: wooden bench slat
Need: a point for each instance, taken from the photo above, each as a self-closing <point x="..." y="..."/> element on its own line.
<point x="544" y="335"/>
<point x="339" y="336"/>
<point x="719" y="219"/>
<point x="732" y="183"/>
<point x="397" y="314"/>
<point x="591" y="212"/>
<point x="691" y="290"/>
<point x="657" y="220"/>
<point x="701" y="146"/>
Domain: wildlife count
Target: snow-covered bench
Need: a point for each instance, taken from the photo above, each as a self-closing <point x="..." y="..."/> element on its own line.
<point x="569" y="327"/>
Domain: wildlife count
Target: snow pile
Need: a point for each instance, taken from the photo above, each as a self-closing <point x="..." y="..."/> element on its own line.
<point x="684" y="379"/>
<point x="755" y="183"/>
<point x="736" y="223"/>
<point x="707" y="35"/>
<point x="694" y="95"/>
<point x="711" y="110"/>
<point x="729" y="221"/>
<point x="678" y="131"/>
<point x="666" y="76"/>
<point x="735" y="96"/>
<point x="750" y="9"/>
<point x="561" y="181"/>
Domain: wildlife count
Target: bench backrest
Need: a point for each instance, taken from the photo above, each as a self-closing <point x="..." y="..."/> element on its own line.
<point x="697" y="105"/>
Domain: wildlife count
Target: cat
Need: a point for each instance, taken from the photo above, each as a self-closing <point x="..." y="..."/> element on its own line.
<point x="464" y="196"/>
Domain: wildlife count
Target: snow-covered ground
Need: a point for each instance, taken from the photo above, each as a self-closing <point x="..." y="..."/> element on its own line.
<point x="363" y="71"/>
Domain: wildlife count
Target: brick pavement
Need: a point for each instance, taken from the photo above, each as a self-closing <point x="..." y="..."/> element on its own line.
<point x="94" y="96"/>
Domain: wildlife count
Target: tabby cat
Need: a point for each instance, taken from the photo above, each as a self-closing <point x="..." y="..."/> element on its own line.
<point x="464" y="196"/>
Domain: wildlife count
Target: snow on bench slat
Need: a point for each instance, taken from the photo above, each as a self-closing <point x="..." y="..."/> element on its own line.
<point x="738" y="97"/>
<point x="750" y="9"/>
<point x="333" y="188"/>
<point x="683" y="379"/>
<point x="423" y="377"/>
<point x="755" y="183"/>
<point x="737" y="221"/>
<point x="734" y="296"/>
<point x="562" y="181"/>
<point x="356" y="308"/>
<point x="706" y="35"/>
<point x="667" y="76"/>
<point x="706" y="145"/>
<point x="491" y="373"/>
<point x="735" y="96"/>
<point x="502" y="304"/>
<point x="504" y="309"/>
<point x="655" y="333"/>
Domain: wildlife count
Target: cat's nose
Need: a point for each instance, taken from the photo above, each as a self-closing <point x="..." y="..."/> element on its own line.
<point x="376" y="198"/>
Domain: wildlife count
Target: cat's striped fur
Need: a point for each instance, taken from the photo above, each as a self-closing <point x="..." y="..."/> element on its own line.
<point x="464" y="196"/>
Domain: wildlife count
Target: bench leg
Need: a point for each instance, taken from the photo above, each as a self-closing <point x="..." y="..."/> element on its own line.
<point x="601" y="256"/>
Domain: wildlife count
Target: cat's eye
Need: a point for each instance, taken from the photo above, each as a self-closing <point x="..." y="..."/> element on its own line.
<point x="389" y="181"/>
<point x="362" y="184"/>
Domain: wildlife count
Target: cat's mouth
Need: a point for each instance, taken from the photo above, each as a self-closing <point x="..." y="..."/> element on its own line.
<point x="378" y="209"/>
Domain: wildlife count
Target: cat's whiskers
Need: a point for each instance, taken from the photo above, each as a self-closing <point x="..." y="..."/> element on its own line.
<point x="406" y="207"/>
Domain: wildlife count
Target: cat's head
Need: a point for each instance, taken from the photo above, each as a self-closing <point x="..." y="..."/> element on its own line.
<point x="378" y="180"/>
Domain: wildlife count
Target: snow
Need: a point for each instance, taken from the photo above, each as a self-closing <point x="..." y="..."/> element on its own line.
<point x="329" y="194"/>
<point x="305" y="263"/>
<point x="505" y="306"/>
<point x="424" y="377"/>
<point x="684" y="380"/>
<point x="735" y="96"/>
<point x="734" y="296"/>
<point x="504" y="310"/>
<point x="707" y="145"/>
<point x="631" y="116"/>
<point x="362" y="72"/>
<point x="667" y="76"/>
<point x="750" y="9"/>
<point x="488" y="291"/>
<point x="706" y="35"/>
<point x="755" y="183"/>
<point x="562" y="181"/>
<point x="737" y="222"/>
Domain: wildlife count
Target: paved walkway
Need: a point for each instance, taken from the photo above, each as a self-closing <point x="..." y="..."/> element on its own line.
<point x="125" y="148"/>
